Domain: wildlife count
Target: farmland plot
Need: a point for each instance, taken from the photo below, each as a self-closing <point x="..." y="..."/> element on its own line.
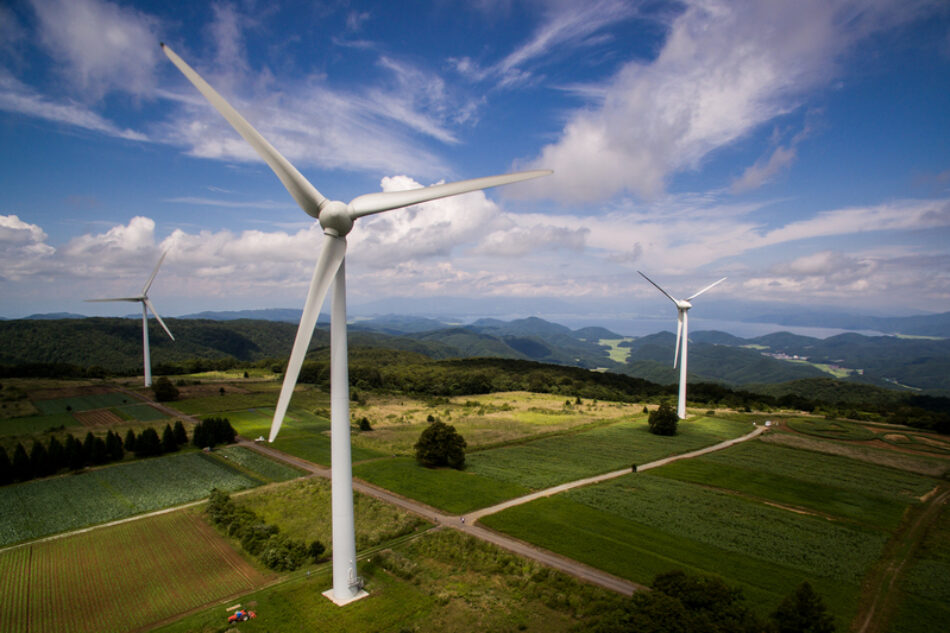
<point x="119" y="578"/>
<point x="551" y="461"/>
<point x="83" y="403"/>
<point x="42" y="507"/>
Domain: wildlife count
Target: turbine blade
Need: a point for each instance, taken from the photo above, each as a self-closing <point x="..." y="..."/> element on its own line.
<point x="716" y="283"/>
<point x="670" y="297"/>
<point x="334" y="249"/>
<point x="148" y="284"/>
<point x="679" y="333"/>
<point x="299" y="187"/>
<point x="134" y="299"/>
<point x="384" y="201"/>
<point x="152" y="309"/>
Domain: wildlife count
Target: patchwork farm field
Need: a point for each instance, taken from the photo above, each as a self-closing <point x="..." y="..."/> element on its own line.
<point x="43" y="507"/>
<point x="119" y="578"/>
<point x="555" y="460"/>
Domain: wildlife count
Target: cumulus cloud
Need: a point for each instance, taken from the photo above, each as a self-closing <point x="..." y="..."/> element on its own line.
<point x="725" y="69"/>
<point x="101" y="46"/>
<point x="23" y="248"/>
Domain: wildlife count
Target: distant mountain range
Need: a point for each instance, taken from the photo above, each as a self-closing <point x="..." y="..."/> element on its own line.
<point x="115" y="344"/>
<point x="923" y="325"/>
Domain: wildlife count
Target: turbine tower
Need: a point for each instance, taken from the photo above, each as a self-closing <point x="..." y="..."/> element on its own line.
<point x="146" y="307"/>
<point x="682" y="335"/>
<point x="336" y="218"/>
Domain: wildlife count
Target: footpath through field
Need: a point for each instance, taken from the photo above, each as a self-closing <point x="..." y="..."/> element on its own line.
<point x="467" y="523"/>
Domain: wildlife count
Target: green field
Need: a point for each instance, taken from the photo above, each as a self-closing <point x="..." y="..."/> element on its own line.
<point x="926" y="583"/>
<point x="256" y="464"/>
<point x="831" y="429"/>
<point x="444" y="488"/>
<point x="48" y="506"/>
<point x="641" y="525"/>
<point x="142" y="412"/>
<point x="301" y="509"/>
<point x="36" y="424"/>
<point x="119" y="578"/>
<point x="441" y="582"/>
<point x="551" y="461"/>
<point x="873" y="495"/>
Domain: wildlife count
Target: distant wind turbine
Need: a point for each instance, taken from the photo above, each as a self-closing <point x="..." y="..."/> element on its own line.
<point x="336" y="218"/>
<point x="146" y="307"/>
<point x="682" y="335"/>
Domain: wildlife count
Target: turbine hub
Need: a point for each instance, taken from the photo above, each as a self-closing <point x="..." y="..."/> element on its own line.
<point x="683" y="304"/>
<point x="335" y="217"/>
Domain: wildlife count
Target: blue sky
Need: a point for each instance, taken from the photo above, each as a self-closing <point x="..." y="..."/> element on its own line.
<point x="799" y="148"/>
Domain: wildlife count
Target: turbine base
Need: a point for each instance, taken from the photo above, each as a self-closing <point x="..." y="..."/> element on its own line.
<point x="346" y="600"/>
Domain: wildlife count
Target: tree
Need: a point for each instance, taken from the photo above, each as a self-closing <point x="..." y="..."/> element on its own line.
<point x="441" y="445"/>
<point x="803" y="612"/>
<point x="56" y="454"/>
<point x="663" y="421"/>
<point x="22" y="468"/>
<point x="181" y="437"/>
<point x="39" y="460"/>
<point x="169" y="445"/>
<point x="6" y="468"/>
<point x="164" y="390"/>
<point x="316" y="551"/>
<point x="129" y="443"/>
<point x="148" y="444"/>
<point x="75" y="458"/>
<point x="365" y="425"/>
<point x="114" y="447"/>
<point x="100" y="454"/>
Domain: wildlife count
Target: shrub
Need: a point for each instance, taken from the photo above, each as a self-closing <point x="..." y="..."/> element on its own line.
<point x="365" y="425"/>
<point x="663" y="421"/>
<point x="164" y="390"/>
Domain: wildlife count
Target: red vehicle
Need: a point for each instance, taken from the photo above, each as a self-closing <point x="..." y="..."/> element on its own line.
<point x="241" y="615"/>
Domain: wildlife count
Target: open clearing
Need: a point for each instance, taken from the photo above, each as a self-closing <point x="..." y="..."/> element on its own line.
<point x="119" y="578"/>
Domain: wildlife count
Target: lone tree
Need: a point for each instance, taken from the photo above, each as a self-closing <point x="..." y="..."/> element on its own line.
<point x="164" y="390"/>
<point x="663" y="421"/>
<point x="441" y="445"/>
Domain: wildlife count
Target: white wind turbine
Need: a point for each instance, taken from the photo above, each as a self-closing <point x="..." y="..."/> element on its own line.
<point x="146" y="307"/>
<point x="682" y="335"/>
<point x="336" y="218"/>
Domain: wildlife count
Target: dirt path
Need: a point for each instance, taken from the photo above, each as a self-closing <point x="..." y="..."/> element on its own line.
<point x="879" y="594"/>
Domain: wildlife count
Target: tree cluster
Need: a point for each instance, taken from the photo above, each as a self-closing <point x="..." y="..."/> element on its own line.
<point x="48" y="459"/>
<point x="164" y="390"/>
<point x="440" y="445"/>
<point x="260" y="539"/>
<point x="704" y="604"/>
<point x="149" y="444"/>
<point x="213" y="431"/>
<point x="663" y="420"/>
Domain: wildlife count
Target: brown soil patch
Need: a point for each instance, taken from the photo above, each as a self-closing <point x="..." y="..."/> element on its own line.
<point x="68" y="392"/>
<point x="98" y="417"/>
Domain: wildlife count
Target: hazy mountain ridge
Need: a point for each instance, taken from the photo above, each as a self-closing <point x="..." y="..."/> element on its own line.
<point x="115" y="344"/>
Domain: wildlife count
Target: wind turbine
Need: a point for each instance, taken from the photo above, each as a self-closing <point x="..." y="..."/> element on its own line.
<point x="146" y="307"/>
<point x="682" y="334"/>
<point x="336" y="218"/>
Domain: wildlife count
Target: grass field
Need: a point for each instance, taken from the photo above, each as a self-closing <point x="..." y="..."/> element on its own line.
<point x="84" y="403"/>
<point x="142" y="412"/>
<point x="301" y="509"/>
<point x="551" y="461"/>
<point x="831" y="429"/>
<point x="926" y="583"/>
<point x="441" y="582"/>
<point x="36" y="424"/>
<point x="631" y="528"/>
<point x="444" y="488"/>
<point x="119" y="578"/>
<point x="48" y="506"/>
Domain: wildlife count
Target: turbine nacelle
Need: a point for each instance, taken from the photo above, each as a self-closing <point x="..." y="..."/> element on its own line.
<point x="683" y="304"/>
<point x="336" y="218"/>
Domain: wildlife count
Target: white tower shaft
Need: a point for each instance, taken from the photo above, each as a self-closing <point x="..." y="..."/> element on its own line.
<point x="681" y="403"/>
<point x="147" y="359"/>
<point x="346" y="586"/>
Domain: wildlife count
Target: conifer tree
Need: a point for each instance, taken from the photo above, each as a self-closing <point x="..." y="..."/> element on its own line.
<point x="74" y="453"/>
<point x="129" y="443"/>
<point x="169" y="445"/>
<point x="181" y="437"/>
<point x="100" y="454"/>
<point x="148" y="444"/>
<point x="22" y="469"/>
<point x="56" y="454"/>
<point x="88" y="445"/>
<point x="6" y="468"/>
<point x="39" y="460"/>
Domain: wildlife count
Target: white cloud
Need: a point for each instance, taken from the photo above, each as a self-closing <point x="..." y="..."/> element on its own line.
<point x="101" y="46"/>
<point x="724" y="69"/>
<point x="23" y="248"/>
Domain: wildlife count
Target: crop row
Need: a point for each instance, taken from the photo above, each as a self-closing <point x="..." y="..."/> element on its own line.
<point x="818" y="468"/>
<point x="554" y="460"/>
<point x="257" y="463"/>
<point x="119" y="578"/>
<point x="810" y="544"/>
<point x="48" y="506"/>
